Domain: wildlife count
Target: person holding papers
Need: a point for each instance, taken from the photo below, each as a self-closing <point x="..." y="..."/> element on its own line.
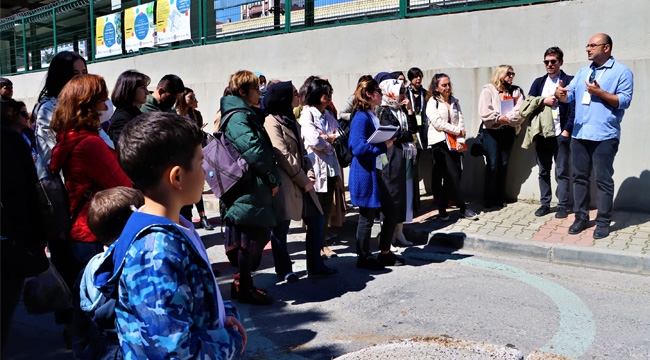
<point x="498" y="108"/>
<point x="447" y="126"/>
<point x="364" y="178"/>
<point x="399" y="174"/>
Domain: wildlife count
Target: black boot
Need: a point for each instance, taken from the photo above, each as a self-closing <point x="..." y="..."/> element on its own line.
<point x="205" y="224"/>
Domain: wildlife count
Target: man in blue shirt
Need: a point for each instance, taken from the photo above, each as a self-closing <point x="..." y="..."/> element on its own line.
<point x="601" y="91"/>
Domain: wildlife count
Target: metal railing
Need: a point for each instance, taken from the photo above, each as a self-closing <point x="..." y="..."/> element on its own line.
<point x="29" y="40"/>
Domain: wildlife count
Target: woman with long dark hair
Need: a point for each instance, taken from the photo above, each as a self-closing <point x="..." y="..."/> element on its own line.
<point x="296" y="198"/>
<point x="186" y="106"/>
<point x="446" y="119"/>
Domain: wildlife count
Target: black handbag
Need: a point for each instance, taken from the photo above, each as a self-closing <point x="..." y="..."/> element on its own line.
<point x="54" y="204"/>
<point x="477" y="148"/>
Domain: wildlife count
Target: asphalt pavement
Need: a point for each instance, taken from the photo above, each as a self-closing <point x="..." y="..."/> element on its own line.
<point x="512" y="231"/>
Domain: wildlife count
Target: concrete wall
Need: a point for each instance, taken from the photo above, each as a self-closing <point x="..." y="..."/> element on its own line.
<point x="467" y="46"/>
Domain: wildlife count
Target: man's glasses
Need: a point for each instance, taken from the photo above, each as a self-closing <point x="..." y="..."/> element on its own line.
<point x="510" y="73"/>
<point x="552" y="62"/>
<point x="591" y="46"/>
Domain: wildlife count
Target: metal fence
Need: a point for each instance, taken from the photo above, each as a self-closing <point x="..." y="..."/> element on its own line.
<point x="29" y="40"/>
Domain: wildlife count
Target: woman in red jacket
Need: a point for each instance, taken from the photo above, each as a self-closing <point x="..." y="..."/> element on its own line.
<point x="88" y="164"/>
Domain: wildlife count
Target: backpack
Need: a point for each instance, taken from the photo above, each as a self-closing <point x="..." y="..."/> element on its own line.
<point x="224" y="167"/>
<point x="340" y="144"/>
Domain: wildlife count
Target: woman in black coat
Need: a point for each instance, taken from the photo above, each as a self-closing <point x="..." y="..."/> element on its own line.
<point x="22" y="243"/>
<point x="129" y="93"/>
<point x="399" y="184"/>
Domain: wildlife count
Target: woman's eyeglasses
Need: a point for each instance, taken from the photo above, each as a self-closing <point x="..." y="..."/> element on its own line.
<point x="192" y="97"/>
<point x="510" y="73"/>
<point x="445" y="85"/>
<point x="552" y="62"/>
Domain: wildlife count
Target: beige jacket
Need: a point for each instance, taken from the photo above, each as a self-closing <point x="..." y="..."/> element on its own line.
<point x="489" y="108"/>
<point x="541" y="124"/>
<point x="289" y="156"/>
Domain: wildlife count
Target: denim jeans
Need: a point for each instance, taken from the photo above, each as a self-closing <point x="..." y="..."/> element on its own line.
<point x="599" y="155"/>
<point x="313" y="243"/>
<point x="498" y="146"/>
<point x="548" y="149"/>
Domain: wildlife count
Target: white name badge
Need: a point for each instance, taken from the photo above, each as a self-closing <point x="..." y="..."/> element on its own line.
<point x="418" y="118"/>
<point x="586" y="98"/>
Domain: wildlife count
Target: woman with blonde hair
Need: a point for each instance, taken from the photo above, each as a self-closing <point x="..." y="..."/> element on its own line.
<point x="498" y="108"/>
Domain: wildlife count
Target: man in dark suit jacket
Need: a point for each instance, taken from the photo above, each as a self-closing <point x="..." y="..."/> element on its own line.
<point x="554" y="147"/>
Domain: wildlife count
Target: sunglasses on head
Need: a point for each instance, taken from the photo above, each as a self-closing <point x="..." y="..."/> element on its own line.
<point x="552" y="62"/>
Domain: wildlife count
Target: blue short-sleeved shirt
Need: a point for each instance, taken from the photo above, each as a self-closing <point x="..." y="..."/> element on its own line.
<point x="598" y="120"/>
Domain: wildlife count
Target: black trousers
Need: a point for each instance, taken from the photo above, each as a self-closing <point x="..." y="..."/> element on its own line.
<point x="498" y="146"/>
<point x="558" y="149"/>
<point x="447" y="164"/>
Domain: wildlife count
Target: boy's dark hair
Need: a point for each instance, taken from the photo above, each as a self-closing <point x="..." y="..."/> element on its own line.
<point x="171" y="83"/>
<point x="413" y="73"/>
<point x="125" y="87"/>
<point x="554" y="50"/>
<point x="316" y="90"/>
<point x="4" y="82"/>
<point x="110" y="209"/>
<point x="153" y="142"/>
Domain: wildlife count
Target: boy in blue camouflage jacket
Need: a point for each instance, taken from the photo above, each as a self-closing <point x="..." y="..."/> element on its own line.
<point x="168" y="301"/>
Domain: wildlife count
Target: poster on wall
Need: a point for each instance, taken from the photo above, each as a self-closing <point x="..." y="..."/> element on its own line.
<point x="173" y="20"/>
<point x="108" y="35"/>
<point x="139" y="27"/>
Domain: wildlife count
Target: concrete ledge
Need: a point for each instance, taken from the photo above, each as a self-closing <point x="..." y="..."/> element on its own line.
<point x="611" y="260"/>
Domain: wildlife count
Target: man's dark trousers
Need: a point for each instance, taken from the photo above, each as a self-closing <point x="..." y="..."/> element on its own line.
<point x="599" y="155"/>
<point x="548" y="149"/>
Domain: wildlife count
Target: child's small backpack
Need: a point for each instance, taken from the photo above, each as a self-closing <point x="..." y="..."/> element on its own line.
<point x="223" y="164"/>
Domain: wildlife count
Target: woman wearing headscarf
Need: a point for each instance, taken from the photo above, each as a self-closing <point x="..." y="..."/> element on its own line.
<point x="499" y="125"/>
<point x="399" y="179"/>
<point x="296" y="198"/>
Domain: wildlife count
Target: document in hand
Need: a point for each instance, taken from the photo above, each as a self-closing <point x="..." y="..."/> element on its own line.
<point x="507" y="104"/>
<point x="382" y="134"/>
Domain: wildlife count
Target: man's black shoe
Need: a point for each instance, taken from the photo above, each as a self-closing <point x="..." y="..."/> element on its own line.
<point x="602" y="231"/>
<point x="369" y="262"/>
<point x="543" y="210"/>
<point x="578" y="226"/>
<point x="561" y="213"/>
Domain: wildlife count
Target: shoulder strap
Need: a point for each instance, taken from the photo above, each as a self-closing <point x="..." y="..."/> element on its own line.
<point x="84" y="199"/>
<point x="225" y="119"/>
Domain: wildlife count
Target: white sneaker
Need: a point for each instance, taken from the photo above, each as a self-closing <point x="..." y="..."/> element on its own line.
<point x="469" y="214"/>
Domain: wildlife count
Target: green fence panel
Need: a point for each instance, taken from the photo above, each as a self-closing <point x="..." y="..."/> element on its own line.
<point x="28" y="41"/>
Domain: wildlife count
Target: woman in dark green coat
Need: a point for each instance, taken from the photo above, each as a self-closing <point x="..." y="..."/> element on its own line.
<point x="247" y="208"/>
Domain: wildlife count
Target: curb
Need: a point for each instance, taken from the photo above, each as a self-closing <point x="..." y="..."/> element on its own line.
<point x="612" y="260"/>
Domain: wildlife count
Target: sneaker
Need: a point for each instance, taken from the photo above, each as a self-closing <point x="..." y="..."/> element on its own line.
<point x="390" y="259"/>
<point x="469" y="214"/>
<point x="369" y="262"/>
<point x="443" y="215"/>
<point x="561" y="213"/>
<point x="327" y="272"/>
<point x="255" y="297"/>
<point x="543" y="210"/>
<point x="291" y="277"/>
